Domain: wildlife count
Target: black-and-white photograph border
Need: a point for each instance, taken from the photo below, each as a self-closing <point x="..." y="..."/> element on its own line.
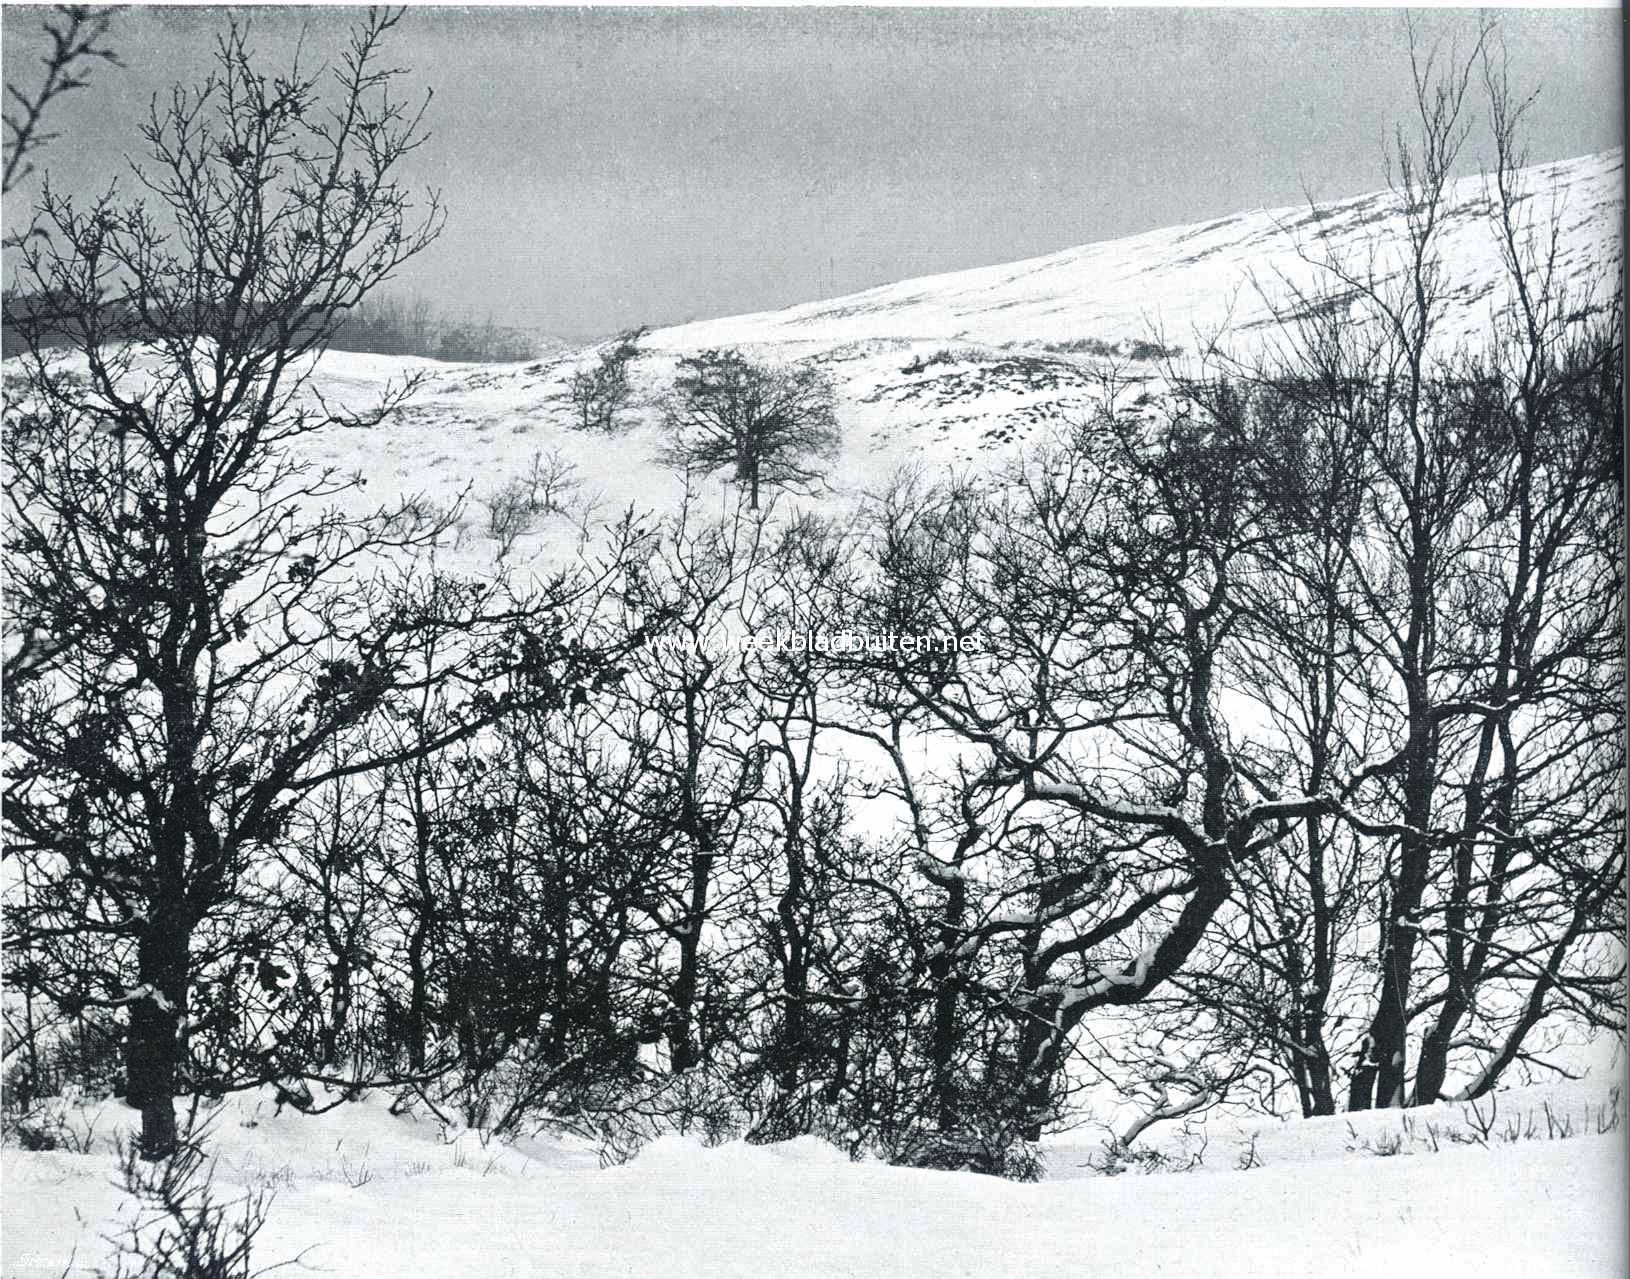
<point x="715" y="641"/>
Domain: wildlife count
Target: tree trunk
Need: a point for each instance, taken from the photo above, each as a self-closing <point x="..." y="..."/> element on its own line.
<point x="1361" y="1087"/>
<point x="1390" y="1029"/>
<point x="418" y="1001"/>
<point x="794" y="983"/>
<point x="1038" y="1062"/>
<point x="683" y="1050"/>
<point x="1320" y="1086"/>
<point x="339" y="1006"/>
<point x="418" y="1009"/>
<point x="1321" y="1096"/>
<point x="153" y="1041"/>
<point x="944" y="1042"/>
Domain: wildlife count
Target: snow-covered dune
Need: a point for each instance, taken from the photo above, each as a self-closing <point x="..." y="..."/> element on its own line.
<point x="365" y="1195"/>
<point x="953" y="370"/>
<point x="1202" y="278"/>
<point x="959" y="369"/>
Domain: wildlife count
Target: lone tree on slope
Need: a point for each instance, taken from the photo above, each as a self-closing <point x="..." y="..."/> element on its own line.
<point x="600" y="392"/>
<point x="765" y="423"/>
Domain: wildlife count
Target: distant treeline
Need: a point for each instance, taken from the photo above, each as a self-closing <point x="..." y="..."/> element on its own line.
<point x="389" y="326"/>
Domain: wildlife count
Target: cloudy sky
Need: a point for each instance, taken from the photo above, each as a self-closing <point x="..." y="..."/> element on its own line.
<point x="605" y="167"/>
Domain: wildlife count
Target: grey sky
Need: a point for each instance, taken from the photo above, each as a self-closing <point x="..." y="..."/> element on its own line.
<point x="606" y="167"/>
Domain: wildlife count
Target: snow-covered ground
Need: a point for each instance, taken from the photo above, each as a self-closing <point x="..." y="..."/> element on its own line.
<point x="1233" y="273"/>
<point x="956" y="370"/>
<point x="953" y="371"/>
<point x="361" y="1193"/>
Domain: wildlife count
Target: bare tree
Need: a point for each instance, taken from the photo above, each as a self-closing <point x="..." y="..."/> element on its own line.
<point x="602" y="391"/>
<point x="764" y="424"/>
<point x="1099" y="800"/>
<point x="688" y="716"/>
<point x="78" y="43"/>
<point x="207" y="638"/>
<point x="1472" y="574"/>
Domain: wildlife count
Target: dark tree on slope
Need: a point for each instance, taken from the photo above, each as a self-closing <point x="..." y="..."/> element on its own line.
<point x="769" y="426"/>
<point x="205" y="639"/>
<point x="600" y="392"/>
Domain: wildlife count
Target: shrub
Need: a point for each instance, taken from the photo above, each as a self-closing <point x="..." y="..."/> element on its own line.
<point x="600" y="392"/>
<point x="544" y="489"/>
<point x="180" y="1227"/>
<point x="49" y="1125"/>
<point x="997" y="1150"/>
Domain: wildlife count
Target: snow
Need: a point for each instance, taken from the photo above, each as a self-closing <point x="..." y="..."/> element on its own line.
<point x="952" y="373"/>
<point x="926" y="371"/>
<point x="1180" y="280"/>
<point x="363" y="1193"/>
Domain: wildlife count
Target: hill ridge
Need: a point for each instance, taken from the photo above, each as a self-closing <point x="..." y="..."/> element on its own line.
<point x="1083" y="291"/>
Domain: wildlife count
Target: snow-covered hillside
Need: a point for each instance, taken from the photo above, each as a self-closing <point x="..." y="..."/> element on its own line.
<point x="1203" y="278"/>
<point x="957" y="369"/>
<point x="953" y="371"/>
<point x="365" y="1195"/>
